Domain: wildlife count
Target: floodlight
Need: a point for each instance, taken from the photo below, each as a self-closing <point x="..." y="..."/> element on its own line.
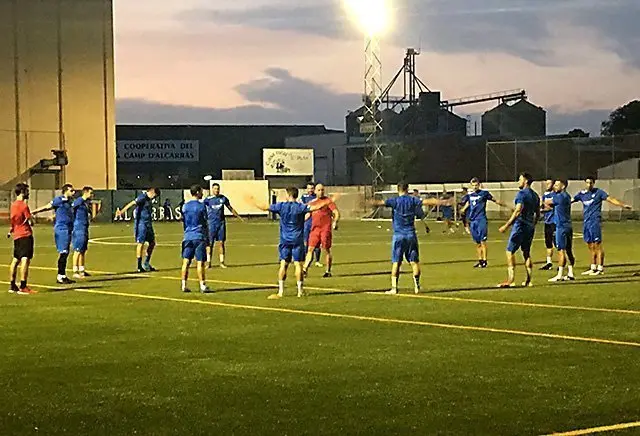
<point x="372" y="16"/>
<point x="208" y="178"/>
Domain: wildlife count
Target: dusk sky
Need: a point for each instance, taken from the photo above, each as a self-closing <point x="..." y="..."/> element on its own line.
<point x="301" y="61"/>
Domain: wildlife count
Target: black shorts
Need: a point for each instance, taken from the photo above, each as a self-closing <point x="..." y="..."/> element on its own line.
<point x="549" y="235"/>
<point x="23" y="248"/>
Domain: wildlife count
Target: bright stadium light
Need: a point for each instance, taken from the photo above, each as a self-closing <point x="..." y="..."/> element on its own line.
<point x="372" y="16"/>
<point x="208" y="178"/>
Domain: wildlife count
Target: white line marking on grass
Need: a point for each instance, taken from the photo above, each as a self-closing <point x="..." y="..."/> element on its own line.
<point x="352" y="291"/>
<point x="365" y="318"/>
<point x="595" y="430"/>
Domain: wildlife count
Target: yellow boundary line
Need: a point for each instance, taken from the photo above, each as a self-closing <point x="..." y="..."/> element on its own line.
<point x="355" y="317"/>
<point x="420" y="296"/>
<point x="595" y="430"/>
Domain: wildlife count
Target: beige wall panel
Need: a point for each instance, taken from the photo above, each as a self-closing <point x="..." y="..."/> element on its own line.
<point x="8" y="162"/>
<point x="83" y="93"/>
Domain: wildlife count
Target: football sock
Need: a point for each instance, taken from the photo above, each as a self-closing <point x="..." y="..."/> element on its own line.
<point x="23" y="284"/>
<point x="184" y="284"/>
<point x="280" y="287"/>
<point x="208" y="257"/>
<point x="75" y="269"/>
<point x="600" y="268"/>
<point x="147" y="259"/>
<point x="549" y="259"/>
<point x="13" y="284"/>
<point x="299" y="285"/>
<point x="416" y="281"/>
<point x="222" y="259"/>
<point x="203" y="286"/>
<point x="394" y="282"/>
<point x="81" y="268"/>
<point x="511" y="272"/>
<point x="560" y="271"/>
<point x="62" y="264"/>
<point x="570" y="273"/>
<point x="593" y="267"/>
<point x="139" y="263"/>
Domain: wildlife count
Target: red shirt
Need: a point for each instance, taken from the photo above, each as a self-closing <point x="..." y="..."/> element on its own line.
<point x="323" y="218"/>
<point x="20" y="214"/>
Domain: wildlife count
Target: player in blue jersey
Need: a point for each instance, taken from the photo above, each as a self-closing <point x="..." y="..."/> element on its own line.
<point x="447" y="211"/>
<point x="475" y="208"/>
<point x="416" y="193"/>
<point x="307" y="198"/>
<point x="404" y="245"/>
<point x="561" y="205"/>
<point x="549" y="222"/>
<point x="215" y="205"/>
<point x="292" y="245"/>
<point x="524" y="219"/>
<point x="592" y="199"/>
<point x="83" y="214"/>
<point x="62" y="228"/>
<point x="143" y="226"/>
<point x="194" y="242"/>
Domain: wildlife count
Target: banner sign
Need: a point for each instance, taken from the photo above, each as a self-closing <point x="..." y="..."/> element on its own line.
<point x="287" y="161"/>
<point x="170" y="150"/>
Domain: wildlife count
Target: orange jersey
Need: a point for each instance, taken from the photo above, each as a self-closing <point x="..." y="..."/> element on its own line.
<point x="20" y="216"/>
<point x="323" y="218"/>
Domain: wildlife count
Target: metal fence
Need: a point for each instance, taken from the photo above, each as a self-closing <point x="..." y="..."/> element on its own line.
<point x="569" y="158"/>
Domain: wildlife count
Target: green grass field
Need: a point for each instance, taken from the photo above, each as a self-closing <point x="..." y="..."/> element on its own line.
<point x="125" y="354"/>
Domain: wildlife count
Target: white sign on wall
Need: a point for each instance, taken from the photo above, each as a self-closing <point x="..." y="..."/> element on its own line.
<point x="287" y="161"/>
<point x="169" y="150"/>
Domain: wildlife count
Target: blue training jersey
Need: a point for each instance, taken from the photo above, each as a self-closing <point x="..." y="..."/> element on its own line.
<point x="64" y="212"/>
<point x="530" y="202"/>
<point x="478" y="205"/>
<point x="82" y="213"/>
<point x="144" y="210"/>
<point x="405" y="210"/>
<point x="194" y="219"/>
<point x="215" y="208"/>
<point x="591" y="204"/>
<point x="562" y="210"/>
<point x="306" y="199"/>
<point x="292" y="215"/>
<point x="548" y="214"/>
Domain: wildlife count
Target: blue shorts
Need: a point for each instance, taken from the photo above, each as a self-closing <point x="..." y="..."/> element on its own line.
<point x="217" y="232"/>
<point x="404" y="247"/>
<point x="479" y="230"/>
<point x="592" y="233"/>
<point x="521" y="238"/>
<point x="80" y="240"/>
<point x="63" y="240"/>
<point x="307" y="231"/>
<point x="447" y="212"/>
<point x="194" y="249"/>
<point x="289" y="252"/>
<point x="144" y="233"/>
<point x="564" y="238"/>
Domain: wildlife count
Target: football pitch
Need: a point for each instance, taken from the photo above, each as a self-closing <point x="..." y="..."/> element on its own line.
<point x="122" y="353"/>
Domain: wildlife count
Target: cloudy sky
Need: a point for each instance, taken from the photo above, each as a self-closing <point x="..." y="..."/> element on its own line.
<point x="301" y="61"/>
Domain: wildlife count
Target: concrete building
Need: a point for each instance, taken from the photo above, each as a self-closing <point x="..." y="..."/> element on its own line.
<point x="57" y="91"/>
<point x="519" y="120"/>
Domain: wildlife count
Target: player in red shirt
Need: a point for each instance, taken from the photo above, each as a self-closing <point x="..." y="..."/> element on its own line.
<point x="323" y="222"/>
<point x="21" y="223"/>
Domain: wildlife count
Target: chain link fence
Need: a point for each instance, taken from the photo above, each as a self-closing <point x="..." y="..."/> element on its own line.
<point x="569" y="158"/>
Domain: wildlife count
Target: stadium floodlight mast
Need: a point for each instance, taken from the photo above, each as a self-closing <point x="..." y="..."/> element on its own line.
<point x="372" y="17"/>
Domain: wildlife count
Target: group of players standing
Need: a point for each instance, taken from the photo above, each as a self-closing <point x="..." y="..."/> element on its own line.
<point x="306" y="225"/>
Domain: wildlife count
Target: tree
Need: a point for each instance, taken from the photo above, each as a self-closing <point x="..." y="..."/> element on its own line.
<point x="401" y="163"/>
<point x="624" y="120"/>
<point x="577" y="133"/>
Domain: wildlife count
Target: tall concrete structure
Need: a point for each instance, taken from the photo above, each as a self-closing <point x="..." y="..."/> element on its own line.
<point x="57" y="91"/>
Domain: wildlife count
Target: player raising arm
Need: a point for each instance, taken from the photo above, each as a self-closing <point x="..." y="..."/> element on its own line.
<point x="524" y="219"/>
<point x="291" y="248"/>
<point x="62" y="228"/>
<point x="143" y="226"/>
<point x="215" y="204"/>
<point x="592" y="199"/>
<point x="194" y="242"/>
<point x="475" y="208"/>
<point x="406" y="208"/>
<point x="323" y="222"/>
<point x="561" y="204"/>
<point x="22" y="233"/>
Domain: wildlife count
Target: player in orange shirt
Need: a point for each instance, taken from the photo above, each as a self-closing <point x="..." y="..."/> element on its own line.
<point x="323" y="222"/>
<point x="22" y="234"/>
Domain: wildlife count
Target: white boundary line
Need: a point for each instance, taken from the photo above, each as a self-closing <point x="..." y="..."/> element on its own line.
<point x="595" y="430"/>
